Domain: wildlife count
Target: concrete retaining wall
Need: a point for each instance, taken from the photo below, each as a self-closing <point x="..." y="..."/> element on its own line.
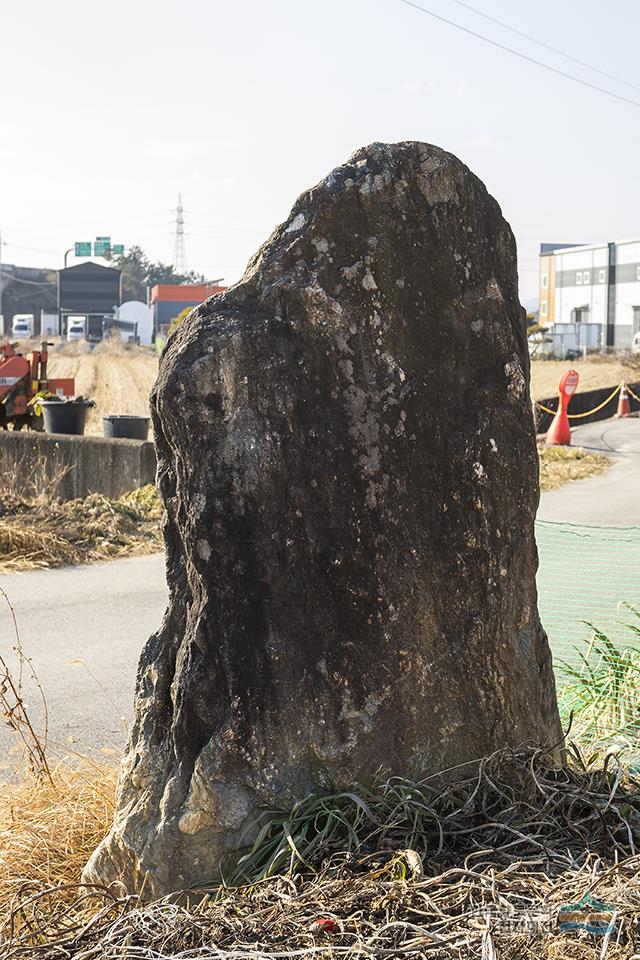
<point x="73" y="467"/>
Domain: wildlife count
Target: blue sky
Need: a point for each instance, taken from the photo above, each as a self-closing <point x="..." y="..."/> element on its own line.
<point x="241" y="105"/>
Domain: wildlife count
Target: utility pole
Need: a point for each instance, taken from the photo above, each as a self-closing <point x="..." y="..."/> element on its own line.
<point x="1" y="282"/>
<point x="179" y="251"/>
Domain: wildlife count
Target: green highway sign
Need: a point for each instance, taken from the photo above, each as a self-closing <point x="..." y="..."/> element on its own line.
<point x="117" y="248"/>
<point x="102" y="246"/>
<point x="104" y="239"/>
<point x="83" y="249"/>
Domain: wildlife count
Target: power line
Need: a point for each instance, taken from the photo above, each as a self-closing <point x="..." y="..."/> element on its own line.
<point x="32" y="283"/>
<point x="16" y="298"/>
<point x="19" y="246"/>
<point x="523" y="56"/>
<point x="547" y="46"/>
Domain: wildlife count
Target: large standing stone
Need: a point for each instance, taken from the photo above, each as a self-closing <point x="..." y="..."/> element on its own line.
<point x="348" y="460"/>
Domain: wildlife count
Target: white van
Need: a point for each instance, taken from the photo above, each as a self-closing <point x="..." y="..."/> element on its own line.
<point x="22" y="326"/>
<point x="75" y="328"/>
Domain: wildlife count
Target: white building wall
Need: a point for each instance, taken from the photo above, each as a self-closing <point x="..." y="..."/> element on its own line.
<point x="628" y="251"/>
<point x="627" y="291"/>
<point x="581" y="281"/>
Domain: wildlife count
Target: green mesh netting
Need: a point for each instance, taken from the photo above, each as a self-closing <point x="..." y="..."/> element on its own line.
<point x="592" y="573"/>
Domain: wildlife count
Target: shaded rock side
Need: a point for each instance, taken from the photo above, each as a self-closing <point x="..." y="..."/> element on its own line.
<point x="347" y="456"/>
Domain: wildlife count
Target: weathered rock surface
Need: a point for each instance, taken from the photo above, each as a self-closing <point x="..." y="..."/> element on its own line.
<point x="347" y="456"/>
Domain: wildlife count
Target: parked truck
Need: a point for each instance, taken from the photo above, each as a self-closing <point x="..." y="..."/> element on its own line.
<point x="84" y="326"/>
<point x="75" y="327"/>
<point x="23" y="326"/>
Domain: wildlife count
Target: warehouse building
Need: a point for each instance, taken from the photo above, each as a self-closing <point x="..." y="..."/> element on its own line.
<point x="167" y="300"/>
<point x="91" y="291"/>
<point x="590" y="295"/>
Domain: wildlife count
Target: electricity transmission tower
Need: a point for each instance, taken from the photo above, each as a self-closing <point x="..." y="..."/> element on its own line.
<point x="179" y="250"/>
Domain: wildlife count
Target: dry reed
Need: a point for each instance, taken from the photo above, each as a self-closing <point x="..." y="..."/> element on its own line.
<point x="13" y="710"/>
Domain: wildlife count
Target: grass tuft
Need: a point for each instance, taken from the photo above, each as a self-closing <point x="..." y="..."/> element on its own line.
<point x="602" y="692"/>
<point x="50" y="827"/>
<point x="561" y="465"/>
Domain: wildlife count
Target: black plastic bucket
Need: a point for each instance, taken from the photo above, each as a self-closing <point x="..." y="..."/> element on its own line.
<point x="65" y="416"/>
<point x="126" y="427"/>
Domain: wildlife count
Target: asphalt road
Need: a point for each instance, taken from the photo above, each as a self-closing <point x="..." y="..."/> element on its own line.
<point x="612" y="498"/>
<point x="83" y="628"/>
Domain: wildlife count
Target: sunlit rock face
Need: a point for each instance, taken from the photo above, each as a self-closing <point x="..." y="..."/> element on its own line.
<point x="347" y="457"/>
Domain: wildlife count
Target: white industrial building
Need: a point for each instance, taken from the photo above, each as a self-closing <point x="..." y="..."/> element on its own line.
<point x="590" y="295"/>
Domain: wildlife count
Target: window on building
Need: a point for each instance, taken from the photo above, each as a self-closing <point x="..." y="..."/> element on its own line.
<point x="602" y="276"/>
<point x="543" y="308"/>
<point x="579" y="278"/>
<point x="636" y="320"/>
<point x="586" y="276"/>
<point x="545" y="281"/>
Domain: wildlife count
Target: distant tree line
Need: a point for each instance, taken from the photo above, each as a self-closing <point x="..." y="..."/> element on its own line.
<point x="139" y="272"/>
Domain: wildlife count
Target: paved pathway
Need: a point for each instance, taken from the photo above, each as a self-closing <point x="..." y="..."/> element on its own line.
<point x="614" y="496"/>
<point x="98" y="616"/>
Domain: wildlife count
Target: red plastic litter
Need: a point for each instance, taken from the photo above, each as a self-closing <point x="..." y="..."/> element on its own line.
<point x="323" y="925"/>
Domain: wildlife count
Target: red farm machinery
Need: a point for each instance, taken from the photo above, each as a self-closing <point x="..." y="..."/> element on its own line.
<point x="23" y="380"/>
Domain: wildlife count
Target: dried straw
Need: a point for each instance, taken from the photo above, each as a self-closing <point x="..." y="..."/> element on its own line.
<point x="38" y="532"/>
<point x="494" y="859"/>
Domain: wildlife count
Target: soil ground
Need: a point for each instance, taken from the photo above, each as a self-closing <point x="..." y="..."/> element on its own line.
<point x="117" y="377"/>
<point x="594" y="373"/>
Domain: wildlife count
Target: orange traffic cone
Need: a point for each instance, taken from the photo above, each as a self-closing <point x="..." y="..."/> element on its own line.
<point x="559" y="433"/>
<point x="624" y="407"/>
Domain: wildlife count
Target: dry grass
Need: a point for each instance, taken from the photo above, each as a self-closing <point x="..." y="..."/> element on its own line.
<point x="37" y="532"/>
<point x="594" y="373"/>
<point x="13" y="708"/>
<point x="561" y="465"/>
<point x="49" y="828"/>
<point x="485" y="876"/>
<point x="483" y="865"/>
<point x="518" y="841"/>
